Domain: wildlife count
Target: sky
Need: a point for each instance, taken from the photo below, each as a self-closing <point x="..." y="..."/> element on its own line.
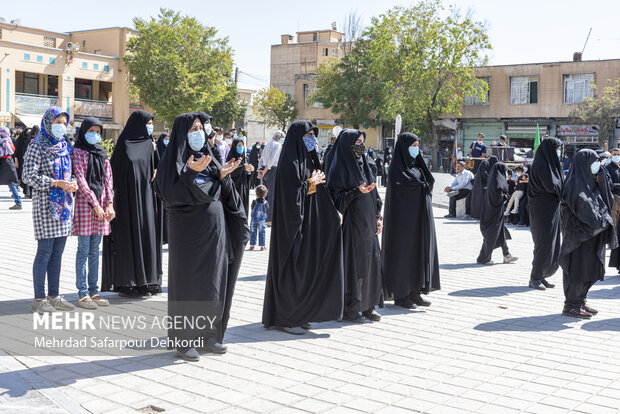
<point x="523" y="31"/>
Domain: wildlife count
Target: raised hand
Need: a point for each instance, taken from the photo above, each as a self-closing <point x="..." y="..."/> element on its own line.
<point x="229" y="167"/>
<point x="199" y="165"/>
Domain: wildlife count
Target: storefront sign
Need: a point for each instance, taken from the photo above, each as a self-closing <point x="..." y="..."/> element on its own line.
<point x="588" y="130"/>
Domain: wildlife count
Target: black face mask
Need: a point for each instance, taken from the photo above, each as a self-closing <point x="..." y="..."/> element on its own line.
<point x="358" y="150"/>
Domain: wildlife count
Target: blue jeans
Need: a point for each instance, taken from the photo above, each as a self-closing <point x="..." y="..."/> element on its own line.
<point x="88" y="249"/>
<point x="48" y="261"/>
<point x="15" y="194"/>
<point x="257" y="227"/>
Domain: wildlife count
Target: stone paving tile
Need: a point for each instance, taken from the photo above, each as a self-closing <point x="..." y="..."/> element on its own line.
<point x="488" y="344"/>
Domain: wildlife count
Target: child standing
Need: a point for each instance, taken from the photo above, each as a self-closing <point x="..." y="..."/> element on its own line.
<point x="93" y="209"/>
<point x="260" y="207"/>
<point x="519" y="191"/>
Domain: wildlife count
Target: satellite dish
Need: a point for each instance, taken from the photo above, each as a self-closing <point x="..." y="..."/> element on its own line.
<point x="336" y="130"/>
<point x="398" y="125"/>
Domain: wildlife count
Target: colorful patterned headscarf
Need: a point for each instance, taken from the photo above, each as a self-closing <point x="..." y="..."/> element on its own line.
<point x="5" y="142"/>
<point x="60" y="200"/>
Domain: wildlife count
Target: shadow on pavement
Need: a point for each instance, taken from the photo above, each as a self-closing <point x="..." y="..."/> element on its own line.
<point x="602" y="325"/>
<point x="490" y="292"/>
<point x="454" y="266"/>
<point x="546" y="323"/>
<point x="256" y="332"/>
<point x="253" y="278"/>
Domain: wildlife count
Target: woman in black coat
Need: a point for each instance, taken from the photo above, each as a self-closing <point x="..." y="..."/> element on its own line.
<point x="409" y="244"/>
<point x="480" y="186"/>
<point x="242" y="174"/>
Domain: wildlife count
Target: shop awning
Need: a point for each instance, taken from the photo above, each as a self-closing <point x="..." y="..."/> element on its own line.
<point x="29" y="120"/>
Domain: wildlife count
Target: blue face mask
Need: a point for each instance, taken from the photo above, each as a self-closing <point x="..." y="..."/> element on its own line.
<point x="414" y="151"/>
<point x="239" y="149"/>
<point x="58" y="130"/>
<point x="149" y="129"/>
<point x="310" y="143"/>
<point x="166" y="141"/>
<point x="559" y="152"/>
<point x="615" y="159"/>
<point x="196" y="140"/>
<point x="92" y="137"/>
<point x="595" y="167"/>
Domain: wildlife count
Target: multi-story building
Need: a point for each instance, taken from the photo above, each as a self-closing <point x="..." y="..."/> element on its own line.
<point x="293" y="70"/>
<point x="520" y="97"/>
<point x="78" y="71"/>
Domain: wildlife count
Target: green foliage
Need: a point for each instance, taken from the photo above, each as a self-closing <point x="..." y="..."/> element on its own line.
<point x="108" y="145"/>
<point x="274" y="107"/>
<point x="228" y="109"/>
<point x="601" y="110"/>
<point x="177" y="64"/>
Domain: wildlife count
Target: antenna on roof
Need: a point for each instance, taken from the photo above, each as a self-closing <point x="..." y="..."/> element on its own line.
<point x="587" y="38"/>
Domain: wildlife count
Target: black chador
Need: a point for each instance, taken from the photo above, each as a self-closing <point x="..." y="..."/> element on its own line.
<point x="132" y="252"/>
<point x="241" y="177"/>
<point x="349" y="169"/>
<point x="409" y="244"/>
<point x="207" y="234"/>
<point x="305" y="275"/>
<point x="480" y="186"/>
<point x="544" y="192"/>
<point x="162" y="215"/>
<point x="587" y="227"/>
<point x="492" y="227"/>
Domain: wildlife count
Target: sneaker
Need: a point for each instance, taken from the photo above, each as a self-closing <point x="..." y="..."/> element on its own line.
<point x="506" y="214"/>
<point x="588" y="309"/>
<point x="15" y="207"/>
<point x="536" y="284"/>
<point x="510" y="258"/>
<point x="449" y="216"/>
<point x="251" y="247"/>
<point x="419" y="300"/>
<point x="548" y="285"/>
<point x="263" y="249"/>
<point x="188" y="354"/>
<point x="100" y="301"/>
<point x="372" y="315"/>
<point x="351" y="315"/>
<point x="489" y="263"/>
<point x="42" y="306"/>
<point x="87" y="303"/>
<point x="60" y="303"/>
<point x="576" y="313"/>
<point x="406" y="303"/>
<point x="515" y="211"/>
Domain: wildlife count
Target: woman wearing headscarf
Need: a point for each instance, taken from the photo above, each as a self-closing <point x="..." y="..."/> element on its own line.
<point x="352" y="185"/>
<point x="162" y="215"/>
<point x="47" y="169"/>
<point x="305" y="274"/>
<point x="255" y="154"/>
<point x="409" y="244"/>
<point x="8" y="172"/>
<point x="132" y="251"/>
<point x="93" y="208"/>
<point x="207" y="234"/>
<point x="241" y="175"/>
<point x="492" y="227"/>
<point x="21" y="145"/>
<point x="587" y="227"/>
<point x="544" y="192"/>
<point x="480" y="186"/>
<point x="162" y="144"/>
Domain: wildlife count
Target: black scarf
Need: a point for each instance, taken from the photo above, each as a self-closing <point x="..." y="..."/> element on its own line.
<point x="97" y="156"/>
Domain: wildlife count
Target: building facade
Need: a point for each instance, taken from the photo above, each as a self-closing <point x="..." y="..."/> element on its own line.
<point x="523" y="97"/>
<point x="293" y="70"/>
<point x="81" y="72"/>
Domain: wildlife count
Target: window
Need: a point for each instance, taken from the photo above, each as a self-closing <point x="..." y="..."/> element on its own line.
<point x="52" y="85"/>
<point x="52" y="61"/>
<point x="315" y="36"/>
<point x="49" y="41"/>
<point x="95" y="66"/>
<point x="475" y="99"/>
<point x="334" y="52"/>
<point x="84" y="65"/>
<point x="577" y="87"/>
<point x="39" y="59"/>
<point x="27" y="56"/>
<point x="523" y="90"/>
<point x="26" y="82"/>
<point x="307" y="92"/>
<point x="83" y="89"/>
<point x="326" y="52"/>
<point x="106" y="68"/>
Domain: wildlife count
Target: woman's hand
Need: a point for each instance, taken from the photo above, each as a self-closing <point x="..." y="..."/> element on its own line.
<point x="229" y="167"/>
<point x="249" y="167"/>
<point x="200" y="164"/>
<point x="365" y="190"/>
<point x="318" y="177"/>
<point x="98" y="213"/>
<point x="109" y="212"/>
<point x="68" y="186"/>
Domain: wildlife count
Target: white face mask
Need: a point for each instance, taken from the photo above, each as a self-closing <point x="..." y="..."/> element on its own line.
<point x="615" y="159"/>
<point x="228" y="141"/>
<point x="208" y="128"/>
<point x="595" y="167"/>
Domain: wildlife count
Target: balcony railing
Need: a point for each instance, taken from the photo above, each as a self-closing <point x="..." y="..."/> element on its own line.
<point x="100" y="109"/>
<point x="26" y="103"/>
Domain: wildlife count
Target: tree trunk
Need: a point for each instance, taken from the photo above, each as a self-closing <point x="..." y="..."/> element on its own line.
<point x="434" y="144"/>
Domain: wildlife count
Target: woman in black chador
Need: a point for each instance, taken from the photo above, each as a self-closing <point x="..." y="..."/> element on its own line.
<point x="305" y="275"/>
<point x="254" y="159"/>
<point x="207" y="234"/>
<point x="409" y="244"/>
<point x="480" y="186"/>
<point x="242" y="174"/>
<point x="543" y="193"/>
<point x="352" y="185"/>
<point x="132" y="252"/>
<point x="21" y="145"/>
<point x="492" y="227"/>
<point x="587" y="227"/>
<point x="162" y="215"/>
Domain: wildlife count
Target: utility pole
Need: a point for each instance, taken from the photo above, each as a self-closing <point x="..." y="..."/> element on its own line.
<point x="236" y="75"/>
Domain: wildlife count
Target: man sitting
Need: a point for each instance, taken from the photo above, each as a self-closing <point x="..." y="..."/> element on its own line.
<point x="462" y="184"/>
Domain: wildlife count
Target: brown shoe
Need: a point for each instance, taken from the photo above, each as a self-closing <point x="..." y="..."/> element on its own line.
<point x="15" y="207"/>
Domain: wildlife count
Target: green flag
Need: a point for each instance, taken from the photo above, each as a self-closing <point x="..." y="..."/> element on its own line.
<point x="537" y="140"/>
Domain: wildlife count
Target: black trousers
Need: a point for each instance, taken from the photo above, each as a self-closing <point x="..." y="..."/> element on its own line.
<point x="575" y="291"/>
<point x="270" y="182"/>
<point x="463" y="193"/>
<point x="486" y="251"/>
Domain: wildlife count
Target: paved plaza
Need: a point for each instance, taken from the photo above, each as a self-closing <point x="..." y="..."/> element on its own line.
<point x="488" y="344"/>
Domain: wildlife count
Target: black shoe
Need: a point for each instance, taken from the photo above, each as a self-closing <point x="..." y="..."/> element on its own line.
<point x="352" y="316"/>
<point x="306" y="326"/>
<point x="419" y="300"/>
<point x="405" y="303"/>
<point x="536" y="284"/>
<point x="372" y="314"/>
<point x="213" y="346"/>
<point x="143" y="291"/>
<point x="188" y="354"/>
<point x="576" y="313"/>
<point x="489" y="263"/>
<point x="588" y="309"/>
<point x="449" y="216"/>
<point x="547" y="284"/>
<point x="128" y="292"/>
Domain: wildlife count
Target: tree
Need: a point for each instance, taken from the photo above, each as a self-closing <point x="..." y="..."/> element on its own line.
<point x="602" y="111"/>
<point x="178" y="64"/>
<point x="274" y="107"/>
<point x="230" y="108"/>
<point x="426" y="62"/>
<point x="349" y="89"/>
